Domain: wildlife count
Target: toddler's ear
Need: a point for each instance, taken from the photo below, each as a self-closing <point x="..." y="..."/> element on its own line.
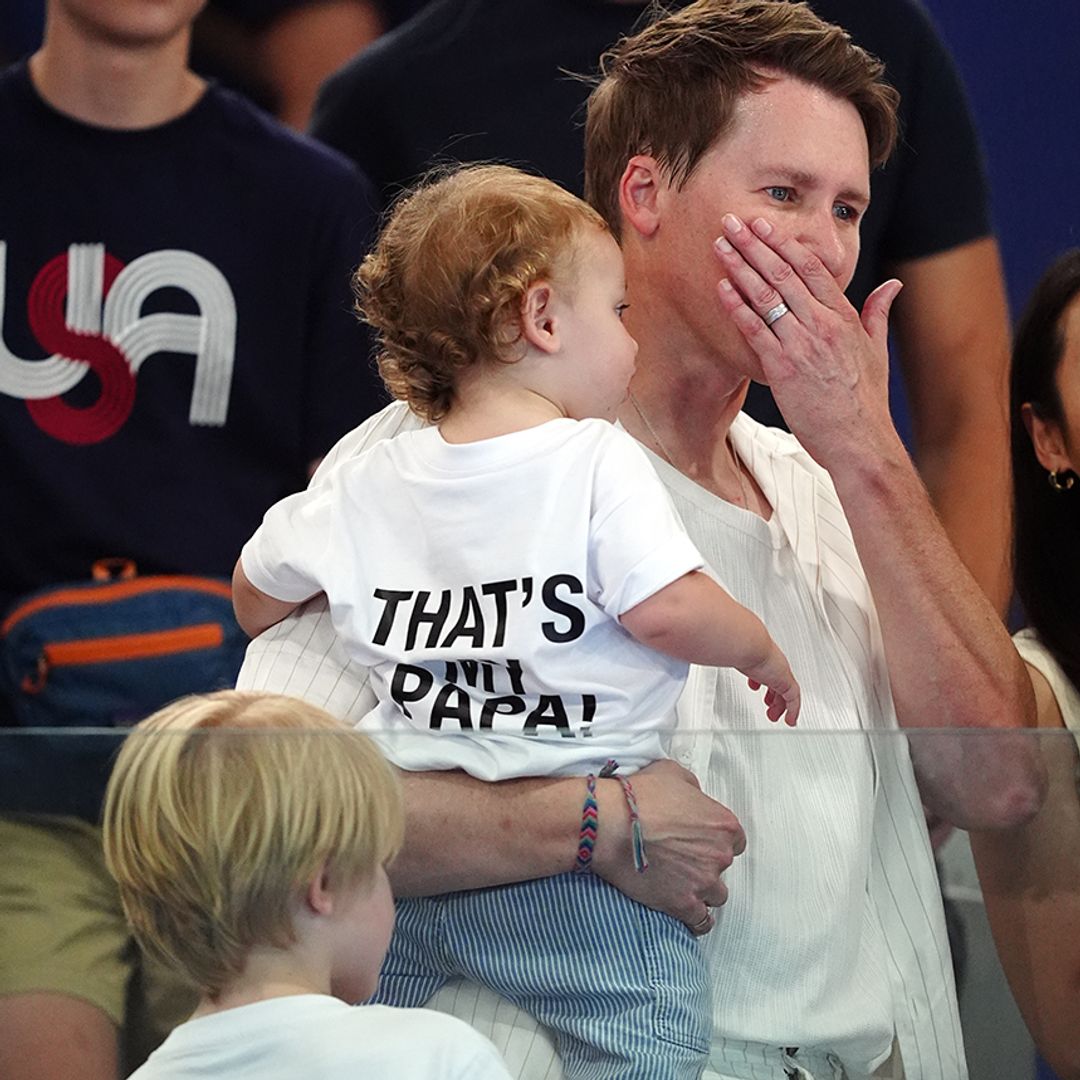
<point x="539" y="326"/>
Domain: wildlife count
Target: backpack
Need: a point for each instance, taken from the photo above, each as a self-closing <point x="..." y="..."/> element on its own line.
<point x="102" y="654"/>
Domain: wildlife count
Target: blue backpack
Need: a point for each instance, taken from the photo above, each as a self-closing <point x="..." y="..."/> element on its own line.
<point x="102" y="654"/>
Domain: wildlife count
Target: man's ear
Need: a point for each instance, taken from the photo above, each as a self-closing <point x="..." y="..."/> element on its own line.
<point x="539" y="325"/>
<point x="639" y="194"/>
<point x="319" y="897"/>
<point x="1048" y="440"/>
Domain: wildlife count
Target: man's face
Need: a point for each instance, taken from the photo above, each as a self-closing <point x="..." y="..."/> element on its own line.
<point x="795" y="155"/>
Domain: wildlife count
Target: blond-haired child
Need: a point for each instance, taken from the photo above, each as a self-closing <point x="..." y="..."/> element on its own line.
<point x="249" y="835"/>
<point x="516" y="580"/>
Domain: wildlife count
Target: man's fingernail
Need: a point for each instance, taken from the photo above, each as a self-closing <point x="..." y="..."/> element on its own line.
<point x="732" y="223"/>
<point x="762" y="227"/>
<point x="724" y="246"/>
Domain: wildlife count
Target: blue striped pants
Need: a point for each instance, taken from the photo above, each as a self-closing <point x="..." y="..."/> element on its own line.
<point x="623" y="988"/>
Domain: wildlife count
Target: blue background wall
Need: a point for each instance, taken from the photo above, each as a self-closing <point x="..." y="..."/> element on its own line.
<point x="1020" y="60"/>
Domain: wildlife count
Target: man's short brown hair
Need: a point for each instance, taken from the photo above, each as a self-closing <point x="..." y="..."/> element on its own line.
<point x="671" y="89"/>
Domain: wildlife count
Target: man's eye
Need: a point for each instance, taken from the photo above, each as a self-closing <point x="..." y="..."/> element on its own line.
<point x="620" y="308"/>
<point x="845" y="212"/>
<point x="780" y="194"/>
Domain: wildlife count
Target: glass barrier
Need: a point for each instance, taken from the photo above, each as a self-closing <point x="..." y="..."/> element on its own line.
<point x="831" y="898"/>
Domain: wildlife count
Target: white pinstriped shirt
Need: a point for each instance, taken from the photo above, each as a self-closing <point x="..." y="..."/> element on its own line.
<point x="837" y="950"/>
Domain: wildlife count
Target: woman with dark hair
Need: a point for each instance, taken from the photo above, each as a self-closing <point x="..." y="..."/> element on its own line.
<point x="1031" y="875"/>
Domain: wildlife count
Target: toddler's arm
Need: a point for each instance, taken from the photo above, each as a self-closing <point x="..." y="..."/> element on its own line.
<point x="256" y="611"/>
<point x="693" y="619"/>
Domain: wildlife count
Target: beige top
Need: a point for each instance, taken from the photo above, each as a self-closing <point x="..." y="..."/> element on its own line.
<point x="1039" y="657"/>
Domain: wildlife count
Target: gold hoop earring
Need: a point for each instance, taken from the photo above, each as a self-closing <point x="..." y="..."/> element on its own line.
<point x="1061" y="481"/>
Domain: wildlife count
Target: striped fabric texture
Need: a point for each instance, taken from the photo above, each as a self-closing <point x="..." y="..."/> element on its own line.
<point x="622" y="988"/>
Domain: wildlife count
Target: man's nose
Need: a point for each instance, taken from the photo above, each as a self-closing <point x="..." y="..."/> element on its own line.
<point x="821" y="233"/>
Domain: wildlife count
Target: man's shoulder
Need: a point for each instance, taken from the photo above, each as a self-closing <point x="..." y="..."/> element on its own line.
<point x="390" y="61"/>
<point x="252" y="131"/>
<point x="401" y="83"/>
<point x="758" y="443"/>
<point x="13" y="77"/>
<point x="22" y="113"/>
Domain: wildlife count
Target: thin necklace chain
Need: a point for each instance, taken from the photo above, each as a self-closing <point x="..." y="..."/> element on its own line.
<point x="671" y="461"/>
<point x="652" y="432"/>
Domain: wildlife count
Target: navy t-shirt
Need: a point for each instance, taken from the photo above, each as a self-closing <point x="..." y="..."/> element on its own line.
<point x="177" y="343"/>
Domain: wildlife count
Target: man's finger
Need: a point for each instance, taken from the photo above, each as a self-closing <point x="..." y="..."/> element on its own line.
<point x="716" y="896"/>
<point x="703" y="924"/>
<point x="875" y="312"/>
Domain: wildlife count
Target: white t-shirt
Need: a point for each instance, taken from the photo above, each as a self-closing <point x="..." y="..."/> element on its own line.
<point x="482" y="584"/>
<point x="318" y="1037"/>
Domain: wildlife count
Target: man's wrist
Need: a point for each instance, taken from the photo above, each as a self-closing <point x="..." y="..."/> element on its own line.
<point x="613" y="849"/>
<point x="590" y="821"/>
<point x="883" y="473"/>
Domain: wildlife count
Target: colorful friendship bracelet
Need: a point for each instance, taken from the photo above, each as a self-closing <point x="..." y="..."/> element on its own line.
<point x="590" y="821"/>
<point x="637" y="835"/>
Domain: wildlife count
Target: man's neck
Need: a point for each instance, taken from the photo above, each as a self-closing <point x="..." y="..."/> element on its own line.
<point x="687" y="418"/>
<point x="690" y="396"/>
<point x="683" y="401"/>
<point x="114" y="85"/>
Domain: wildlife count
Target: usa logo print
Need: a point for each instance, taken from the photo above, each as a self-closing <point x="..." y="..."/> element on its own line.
<point x="84" y="307"/>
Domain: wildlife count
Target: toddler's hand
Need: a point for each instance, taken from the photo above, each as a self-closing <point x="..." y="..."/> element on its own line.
<point x="781" y="690"/>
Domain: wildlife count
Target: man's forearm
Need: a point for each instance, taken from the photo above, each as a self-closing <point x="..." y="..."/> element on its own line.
<point x="1030" y="879"/>
<point x="463" y="833"/>
<point x="968" y="483"/>
<point x="951" y="662"/>
<point x="951" y="323"/>
<point x="951" y="665"/>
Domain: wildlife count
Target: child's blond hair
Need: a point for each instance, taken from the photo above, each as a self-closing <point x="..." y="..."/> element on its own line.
<point x="223" y="808"/>
<point x="445" y="284"/>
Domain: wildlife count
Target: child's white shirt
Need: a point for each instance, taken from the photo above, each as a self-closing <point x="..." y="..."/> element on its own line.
<point x="321" y="1038"/>
<point x="482" y="584"/>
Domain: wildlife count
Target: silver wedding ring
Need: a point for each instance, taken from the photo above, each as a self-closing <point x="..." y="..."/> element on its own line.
<point x="775" y="313"/>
